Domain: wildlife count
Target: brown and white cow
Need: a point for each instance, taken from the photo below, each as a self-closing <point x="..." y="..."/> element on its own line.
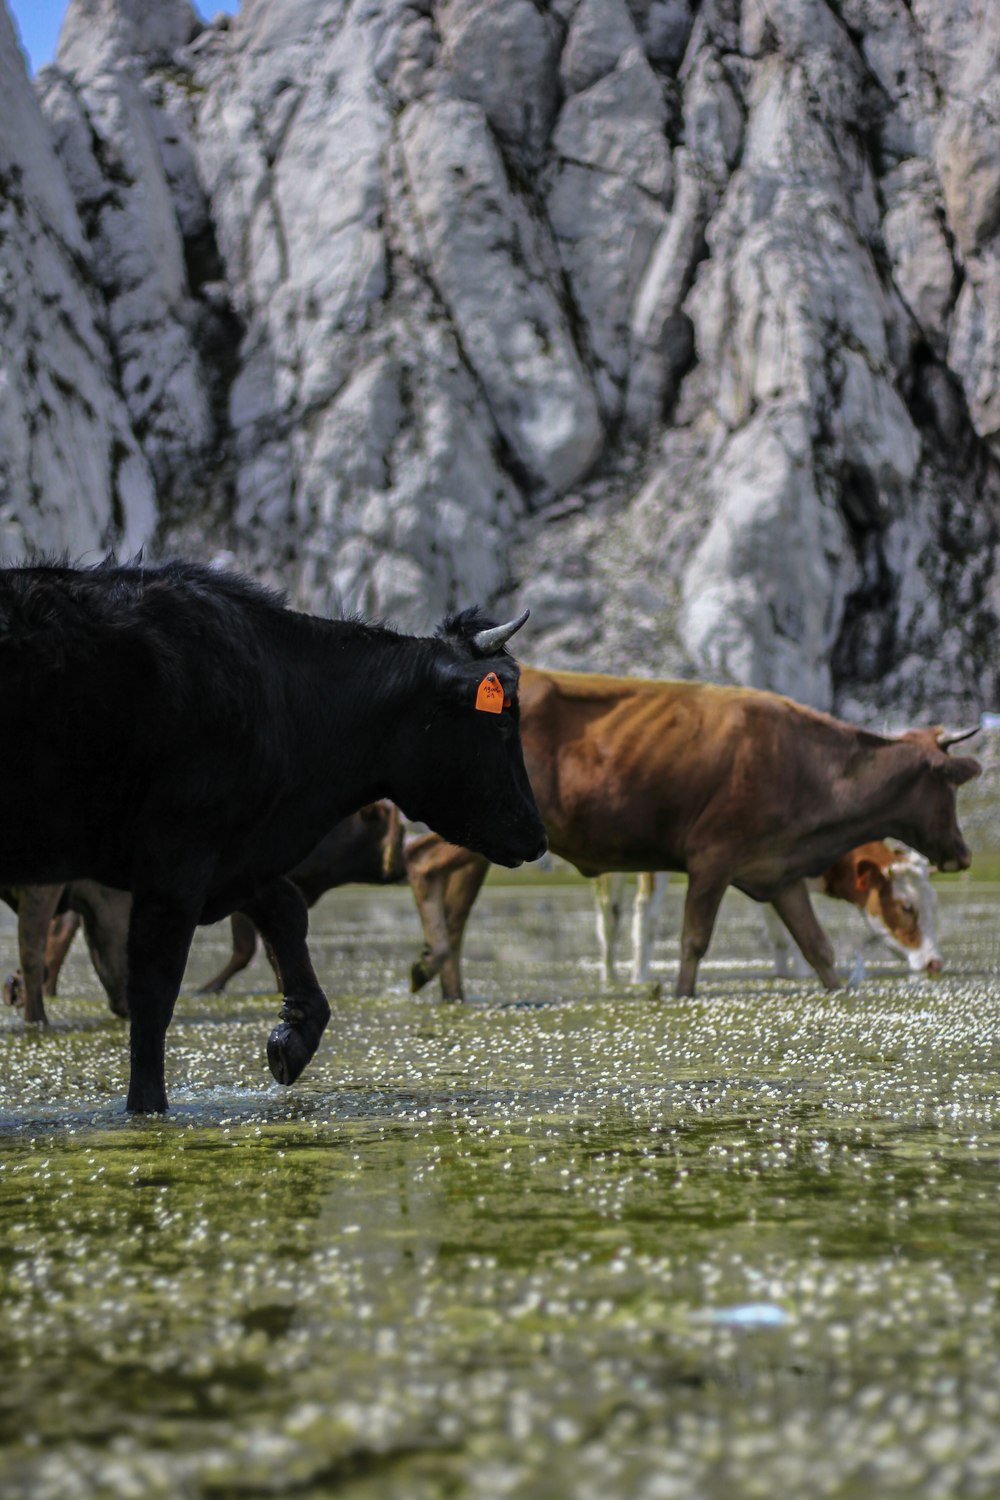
<point x="890" y="888"/>
<point x="735" y="786"/>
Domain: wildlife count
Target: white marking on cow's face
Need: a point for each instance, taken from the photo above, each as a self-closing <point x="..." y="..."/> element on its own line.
<point x="905" y="914"/>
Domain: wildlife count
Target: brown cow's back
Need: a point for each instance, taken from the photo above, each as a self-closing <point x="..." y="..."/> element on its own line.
<point x="625" y="769"/>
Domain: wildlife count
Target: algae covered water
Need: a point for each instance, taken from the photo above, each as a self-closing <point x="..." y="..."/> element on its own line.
<point x="555" y="1242"/>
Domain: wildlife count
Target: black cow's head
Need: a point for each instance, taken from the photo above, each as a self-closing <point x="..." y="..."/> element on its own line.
<point x="461" y="770"/>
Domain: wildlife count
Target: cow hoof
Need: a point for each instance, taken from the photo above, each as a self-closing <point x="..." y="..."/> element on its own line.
<point x="417" y="979"/>
<point x="295" y="1039"/>
<point x="288" y="1051"/>
<point x="151" y="1100"/>
<point x="12" y="989"/>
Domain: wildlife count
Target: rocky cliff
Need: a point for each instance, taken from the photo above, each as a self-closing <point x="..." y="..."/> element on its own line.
<point x="678" y="321"/>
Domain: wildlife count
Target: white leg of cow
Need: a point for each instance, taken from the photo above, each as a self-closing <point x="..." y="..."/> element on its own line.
<point x="645" y="915"/>
<point x="795" y="910"/>
<point x="609" y="890"/>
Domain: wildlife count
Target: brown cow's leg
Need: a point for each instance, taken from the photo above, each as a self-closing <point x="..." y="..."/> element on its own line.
<point x="445" y="880"/>
<point x="701" y="906"/>
<point x="281" y="915"/>
<point x="429" y="893"/>
<point x="244" y="948"/>
<point x="62" y="930"/>
<point x="795" y="910"/>
<point x="35" y="912"/>
<point x="159" y="937"/>
<point x="460" y="892"/>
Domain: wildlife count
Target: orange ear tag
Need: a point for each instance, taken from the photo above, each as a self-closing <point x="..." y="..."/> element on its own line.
<point x="489" y="695"/>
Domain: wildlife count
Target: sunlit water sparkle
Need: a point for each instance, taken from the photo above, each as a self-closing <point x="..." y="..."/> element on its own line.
<point x="552" y="1243"/>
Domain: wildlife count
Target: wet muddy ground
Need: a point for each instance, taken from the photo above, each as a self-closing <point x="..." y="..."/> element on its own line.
<point x="552" y="1243"/>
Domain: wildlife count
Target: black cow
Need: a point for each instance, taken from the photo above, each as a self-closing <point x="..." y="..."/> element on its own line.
<point x="210" y="731"/>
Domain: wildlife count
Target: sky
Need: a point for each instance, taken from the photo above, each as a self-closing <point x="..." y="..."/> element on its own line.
<point x="38" y="22"/>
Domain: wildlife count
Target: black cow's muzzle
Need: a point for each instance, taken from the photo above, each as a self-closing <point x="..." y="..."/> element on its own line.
<point x="512" y="855"/>
<point x="958" y="859"/>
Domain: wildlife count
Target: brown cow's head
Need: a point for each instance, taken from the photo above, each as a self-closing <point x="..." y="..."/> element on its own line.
<point x="926" y="816"/>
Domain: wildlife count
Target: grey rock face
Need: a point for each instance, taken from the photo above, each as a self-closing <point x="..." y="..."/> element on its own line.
<point x="679" y="322"/>
<point x="72" y="475"/>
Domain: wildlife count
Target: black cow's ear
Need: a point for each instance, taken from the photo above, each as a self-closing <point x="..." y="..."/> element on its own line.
<point x="958" y="769"/>
<point x="455" y="682"/>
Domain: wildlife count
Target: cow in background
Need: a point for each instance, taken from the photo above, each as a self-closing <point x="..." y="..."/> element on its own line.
<point x="734" y="785"/>
<point x="890" y="888"/>
<point x="48" y="919"/>
<point x="367" y="847"/>
<point x="215" y="730"/>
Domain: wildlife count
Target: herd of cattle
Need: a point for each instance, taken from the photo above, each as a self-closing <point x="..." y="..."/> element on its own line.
<point x="216" y="753"/>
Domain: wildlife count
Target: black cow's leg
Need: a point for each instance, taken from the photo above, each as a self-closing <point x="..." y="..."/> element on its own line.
<point x="281" y="915"/>
<point x="701" y="906"/>
<point x="795" y="910"/>
<point x="159" y="936"/>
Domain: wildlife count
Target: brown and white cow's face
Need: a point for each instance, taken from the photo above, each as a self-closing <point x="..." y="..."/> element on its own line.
<point x="901" y="908"/>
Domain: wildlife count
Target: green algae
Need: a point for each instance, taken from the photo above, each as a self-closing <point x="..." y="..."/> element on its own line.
<point x="550" y="1243"/>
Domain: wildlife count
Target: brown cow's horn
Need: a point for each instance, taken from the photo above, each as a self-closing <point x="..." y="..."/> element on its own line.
<point x="945" y="741"/>
<point x="498" y="635"/>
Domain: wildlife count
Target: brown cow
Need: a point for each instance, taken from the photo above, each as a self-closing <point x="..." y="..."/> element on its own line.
<point x="364" y="849"/>
<point x="733" y="785"/>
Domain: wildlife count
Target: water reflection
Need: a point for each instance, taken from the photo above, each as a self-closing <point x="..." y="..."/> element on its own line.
<point x="553" y="1243"/>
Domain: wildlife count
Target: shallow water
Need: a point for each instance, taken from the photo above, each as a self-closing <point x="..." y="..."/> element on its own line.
<point x="550" y="1243"/>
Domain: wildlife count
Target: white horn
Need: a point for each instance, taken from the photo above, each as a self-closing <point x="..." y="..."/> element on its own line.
<point x="485" y="641"/>
<point x="945" y="741"/>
